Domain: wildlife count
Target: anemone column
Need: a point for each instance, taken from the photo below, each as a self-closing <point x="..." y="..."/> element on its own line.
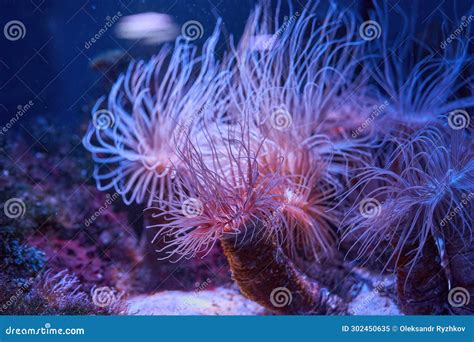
<point x="422" y="287"/>
<point x="460" y="250"/>
<point x="267" y="276"/>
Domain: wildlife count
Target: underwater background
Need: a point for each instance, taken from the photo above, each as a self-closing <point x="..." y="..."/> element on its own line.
<point x="73" y="243"/>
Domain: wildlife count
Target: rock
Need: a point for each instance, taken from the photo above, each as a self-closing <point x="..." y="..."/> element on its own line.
<point x="220" y="301"/>
<point x="377" y="296"/>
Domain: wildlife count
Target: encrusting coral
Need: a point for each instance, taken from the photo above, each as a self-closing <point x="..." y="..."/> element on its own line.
<point x="275" y="151"/>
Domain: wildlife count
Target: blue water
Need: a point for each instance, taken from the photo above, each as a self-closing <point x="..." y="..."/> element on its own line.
<point x="50" y="64"/>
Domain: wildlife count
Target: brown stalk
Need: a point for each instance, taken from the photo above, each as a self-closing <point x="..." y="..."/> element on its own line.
<point x="267" y="276"/>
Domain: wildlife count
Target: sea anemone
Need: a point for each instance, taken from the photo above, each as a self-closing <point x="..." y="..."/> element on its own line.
<point x="258" y="151"/>
<point x="421" y="84"/>
<point x="149" y="110"/>
<point x="310" y="71"/>
<point x="421" y="168"/>
<point x="50" y="293"/>
<point x="230" y="200"/>
<point x="290" y="88"/>
<point x="413" y="206"/>
<point x="436" y="172"/>
<point x="267" y="172"/>
<point x="218" y="197"/>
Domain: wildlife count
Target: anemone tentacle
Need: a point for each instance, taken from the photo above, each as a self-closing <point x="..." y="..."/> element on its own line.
<point x="225" y="194"/>
<point x="421" y="83"/>
<point x="279" y="147"/>
<point x="290" y="90"/>
<point x="433" y="178"/>
<point x="152" y="107"/>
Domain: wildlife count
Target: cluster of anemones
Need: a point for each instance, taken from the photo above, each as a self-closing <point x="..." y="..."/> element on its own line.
<point x="283" y="131"/>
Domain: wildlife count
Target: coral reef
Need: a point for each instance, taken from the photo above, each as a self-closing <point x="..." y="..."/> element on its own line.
<point x="47" y="249"/>
<point x="62" y="227"/>
<point x="53" y="294"/>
